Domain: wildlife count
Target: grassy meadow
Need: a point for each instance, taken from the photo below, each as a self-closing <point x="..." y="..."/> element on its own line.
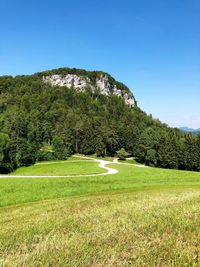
<point x="61" y="168"/>
<point x="137" y="217"/>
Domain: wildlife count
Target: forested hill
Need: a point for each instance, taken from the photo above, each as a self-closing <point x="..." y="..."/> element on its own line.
<point x="53" y="114"/>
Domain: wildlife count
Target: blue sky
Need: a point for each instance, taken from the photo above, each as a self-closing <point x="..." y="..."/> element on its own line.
<point x="151" y="46"/>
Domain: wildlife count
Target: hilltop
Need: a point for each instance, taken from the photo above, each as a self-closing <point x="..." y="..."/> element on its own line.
<point x="82" y="80"/>
<point x="53" y="114"/>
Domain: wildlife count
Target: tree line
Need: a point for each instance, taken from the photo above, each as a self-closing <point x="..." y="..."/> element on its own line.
<point x="41" y="122"/>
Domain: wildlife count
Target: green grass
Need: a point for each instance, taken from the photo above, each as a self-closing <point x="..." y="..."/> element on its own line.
<point x="107" y="158"/>
<point x="138" y="217"/>
<point x="60" y="168"/>
<point x="14" y="191"/>
<point x="133" y="161"/>
<point x="72" y="158"/>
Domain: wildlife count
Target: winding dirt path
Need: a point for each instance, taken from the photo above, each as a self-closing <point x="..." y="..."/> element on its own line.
<point x="102" y="164"/>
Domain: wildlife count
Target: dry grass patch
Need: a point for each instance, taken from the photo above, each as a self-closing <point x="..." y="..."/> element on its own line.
<point x="125" y="229"/>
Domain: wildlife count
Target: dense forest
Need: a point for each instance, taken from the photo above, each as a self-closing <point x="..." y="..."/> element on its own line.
<point x="41" y="122"/>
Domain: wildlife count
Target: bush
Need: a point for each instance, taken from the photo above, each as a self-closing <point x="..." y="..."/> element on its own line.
<point x="122" y="154"/>
<point x="45" y="155"/>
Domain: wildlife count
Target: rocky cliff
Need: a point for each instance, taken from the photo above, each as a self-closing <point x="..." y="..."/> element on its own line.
<point x="102" y="82"/>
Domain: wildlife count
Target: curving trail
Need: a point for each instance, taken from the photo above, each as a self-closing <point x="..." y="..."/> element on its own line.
<point x="102" y="164"/>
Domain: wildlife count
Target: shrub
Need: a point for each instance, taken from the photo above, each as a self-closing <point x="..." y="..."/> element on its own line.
<point x="122" y="154"/>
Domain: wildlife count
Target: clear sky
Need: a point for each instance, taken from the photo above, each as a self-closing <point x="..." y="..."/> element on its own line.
<point x="151" y="46"/>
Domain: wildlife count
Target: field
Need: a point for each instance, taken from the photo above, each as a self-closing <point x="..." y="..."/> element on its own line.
<point x="136" y="217"/>
<point x="61" y="168"/>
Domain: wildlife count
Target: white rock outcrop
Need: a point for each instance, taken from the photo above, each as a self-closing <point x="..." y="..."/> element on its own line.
<point x="69" y="80"/>
<point x="103" y="85"/>
<point x="81" y="83"/>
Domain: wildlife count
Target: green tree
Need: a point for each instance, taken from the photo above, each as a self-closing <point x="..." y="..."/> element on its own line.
<point x="5" y="163"/>
<point x="60" y="151"/>
<point x="25" y="152"/>
<point x="122" y="154"/>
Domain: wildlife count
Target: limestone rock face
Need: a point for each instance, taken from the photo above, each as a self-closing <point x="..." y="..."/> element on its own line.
<point x="69" y="80"/>
<point x="103" y="85"/>
<point x="106" y="88"/>
<point x="81" y="83"/>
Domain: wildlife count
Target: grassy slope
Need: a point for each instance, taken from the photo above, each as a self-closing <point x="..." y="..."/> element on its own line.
<point x="60" y="168"/>
<point x="139" y="217"/>
<point x="14" y="191"/>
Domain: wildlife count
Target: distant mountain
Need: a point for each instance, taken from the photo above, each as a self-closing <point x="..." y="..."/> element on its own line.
<point x="187" y="130"/>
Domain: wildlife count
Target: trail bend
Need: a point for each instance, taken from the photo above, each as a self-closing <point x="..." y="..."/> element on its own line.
<point x="102" y="164"/>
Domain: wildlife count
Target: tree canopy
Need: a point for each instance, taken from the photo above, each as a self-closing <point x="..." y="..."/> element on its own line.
<point x="41" y="122"/>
